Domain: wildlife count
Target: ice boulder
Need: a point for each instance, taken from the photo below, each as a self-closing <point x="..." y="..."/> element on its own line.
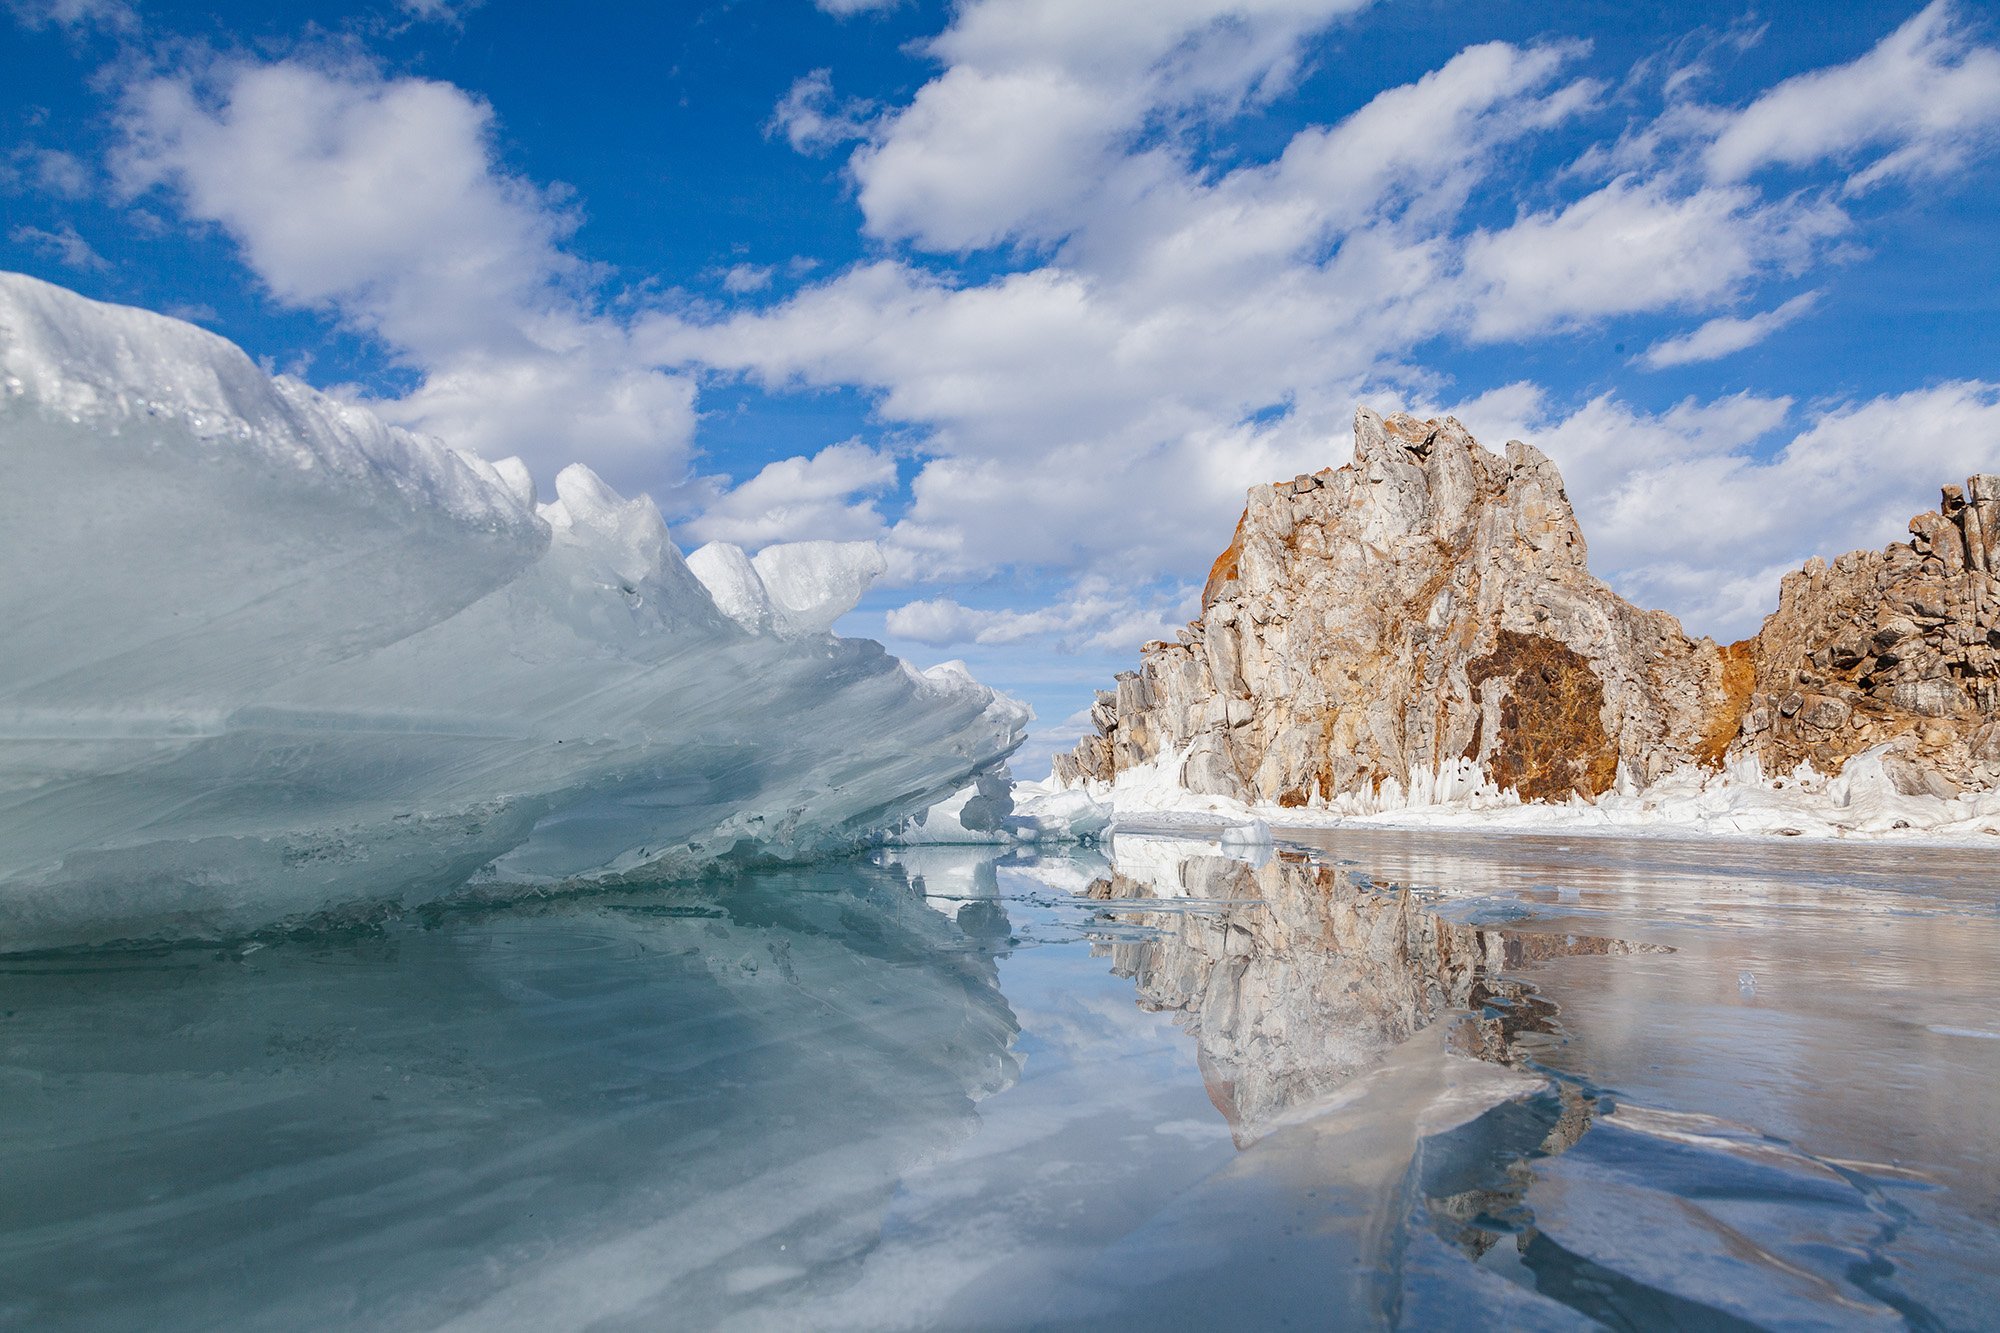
<point x="982" y="811"/>
<point x="1247" y="833"/>
<point x="813" y="584"/>
<point x="1045" y="812"/>
<point x="267" y="655"/>
<point x="792" y="589"/>
<point x="733" y="585"/>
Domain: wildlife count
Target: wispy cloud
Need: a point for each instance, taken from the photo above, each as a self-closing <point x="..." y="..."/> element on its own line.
<point x="1095" y="616"/>
<point x="52" y="172"/>
<point x="114" y="16"/>
<point x="1916" y="105"/>
<point x="62" y="244"/>
<point x="1725" y="334"/>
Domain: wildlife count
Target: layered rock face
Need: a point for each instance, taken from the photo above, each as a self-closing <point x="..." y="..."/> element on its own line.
<point x="1899" y="646"/>
<point x="1428" y="603"/>
<point x="1381" y="628"/>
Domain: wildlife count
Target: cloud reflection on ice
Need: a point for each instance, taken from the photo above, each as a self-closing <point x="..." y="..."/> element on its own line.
<point x="1406" y="1079"/>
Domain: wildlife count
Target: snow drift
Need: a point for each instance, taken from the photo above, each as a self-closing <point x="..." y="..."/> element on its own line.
<point x="1868" y="799"/>
<point x="266" y="655"/>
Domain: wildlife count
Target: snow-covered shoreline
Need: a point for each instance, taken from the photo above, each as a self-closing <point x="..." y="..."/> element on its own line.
<point x="1863" y="802"/>
<point x="1860" y="804"/>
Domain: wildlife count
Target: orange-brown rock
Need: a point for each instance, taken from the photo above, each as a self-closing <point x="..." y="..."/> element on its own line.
<point x="1552" y="739"/>
<point x="1429" y="603"/>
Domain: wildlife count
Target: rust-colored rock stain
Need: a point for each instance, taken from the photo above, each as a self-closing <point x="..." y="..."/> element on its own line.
<point x="1552" y="743"/>
<point x="1226" y="565"/>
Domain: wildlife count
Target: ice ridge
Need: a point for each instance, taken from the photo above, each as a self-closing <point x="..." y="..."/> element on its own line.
<point x="267" y="655"/>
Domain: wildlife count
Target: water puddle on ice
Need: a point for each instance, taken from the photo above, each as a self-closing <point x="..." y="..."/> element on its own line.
<point x="1394" y="1079"/>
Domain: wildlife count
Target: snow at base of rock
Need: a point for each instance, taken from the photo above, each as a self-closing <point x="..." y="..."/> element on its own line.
<point x="266" y="655"/>
<point x="1866" y="800"/>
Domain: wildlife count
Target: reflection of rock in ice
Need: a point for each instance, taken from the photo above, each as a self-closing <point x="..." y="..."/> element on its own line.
<point x="1309" y="974"/>
<point x="266" y="655"/>
<point x="622" y="1108"/>
<point x="1488" y="1184"/>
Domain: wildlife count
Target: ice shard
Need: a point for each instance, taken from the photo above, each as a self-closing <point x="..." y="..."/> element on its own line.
<point x="263" y="654"/>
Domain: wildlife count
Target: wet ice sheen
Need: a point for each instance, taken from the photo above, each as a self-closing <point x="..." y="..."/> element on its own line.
<point x="1413" y="1079"/>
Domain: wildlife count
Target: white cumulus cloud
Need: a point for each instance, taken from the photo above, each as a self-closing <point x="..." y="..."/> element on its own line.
<point x="1637" y="246"/>
<point x="380" y="199"/>
<point x="1925" y="98"/>
<point x="828" y="495"/>
<point x="1040" y="102"/>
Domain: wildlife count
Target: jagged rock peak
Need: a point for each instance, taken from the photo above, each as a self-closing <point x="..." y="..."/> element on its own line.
<point x="1422" y="610"/>
<point x="1423" y="618"/>
<point x="1899" y="646"/>
<point x="1412" y="479"/>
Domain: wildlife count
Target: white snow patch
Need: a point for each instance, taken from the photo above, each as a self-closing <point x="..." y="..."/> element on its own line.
<point x="1740" y="800"/>
<point x="991" y="810"/>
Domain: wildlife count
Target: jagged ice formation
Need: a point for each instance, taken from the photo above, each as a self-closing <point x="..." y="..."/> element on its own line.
<point x="266" y="655"/>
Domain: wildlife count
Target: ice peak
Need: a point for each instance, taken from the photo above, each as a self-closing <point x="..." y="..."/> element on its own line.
<point x="269" y="655"/>
<point x="791" y="589"/>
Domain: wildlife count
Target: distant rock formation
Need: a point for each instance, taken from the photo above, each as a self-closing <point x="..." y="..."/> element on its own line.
<point x="1897" y="646"/>
<point x="1427" y="612"/>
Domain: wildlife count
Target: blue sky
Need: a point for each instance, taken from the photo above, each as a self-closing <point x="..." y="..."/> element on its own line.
<point x="1030" y="290"/>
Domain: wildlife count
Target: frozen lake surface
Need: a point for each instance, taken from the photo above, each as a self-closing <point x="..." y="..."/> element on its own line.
<point x="1413" y="1079"/>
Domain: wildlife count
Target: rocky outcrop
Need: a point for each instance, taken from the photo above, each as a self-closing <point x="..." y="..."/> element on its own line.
<point x="1425" y="605"/>
<point x="1426" y="613"/>
<point x="1899" y="646"/>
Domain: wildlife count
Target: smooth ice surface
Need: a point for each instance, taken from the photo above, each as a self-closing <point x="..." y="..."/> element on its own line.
<point x="1417" y="1079"/>
<point x="265" y="655"/>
